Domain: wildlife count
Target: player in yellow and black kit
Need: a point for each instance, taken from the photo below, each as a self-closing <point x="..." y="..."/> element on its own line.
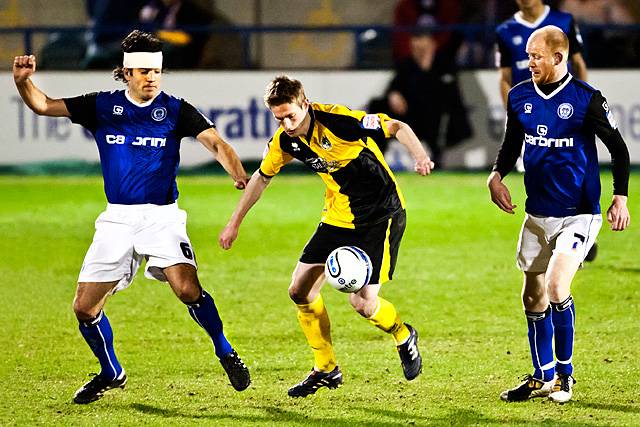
<point x="363" y="207"/>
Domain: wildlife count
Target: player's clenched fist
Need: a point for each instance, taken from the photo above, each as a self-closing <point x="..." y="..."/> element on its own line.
<point x="23" y="67"/>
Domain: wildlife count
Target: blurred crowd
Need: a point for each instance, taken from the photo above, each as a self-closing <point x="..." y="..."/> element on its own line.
<point x="183" y="26"/>
<point x="604" y="47"/>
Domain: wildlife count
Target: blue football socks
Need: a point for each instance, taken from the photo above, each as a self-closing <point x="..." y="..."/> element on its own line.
<point x="541" y="344"/>
<point x="563" y="316"/>
<point x="205" y="313"/>
<point x="98" y="334"/>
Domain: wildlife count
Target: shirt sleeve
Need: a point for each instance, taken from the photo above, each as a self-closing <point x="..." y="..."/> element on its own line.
<point x="599" y="120"/>
<point x="503" y="54"/>
<point x="191" y="121"/>
<point x="273" y="158"/>
<point x="512" y="144"/>
<point x="375" y="125"/>
<point x="82" y="110"/>
<point x="575" y="39"/>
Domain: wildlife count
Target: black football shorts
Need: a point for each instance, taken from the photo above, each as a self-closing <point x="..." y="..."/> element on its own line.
<point x="380" y="241"/>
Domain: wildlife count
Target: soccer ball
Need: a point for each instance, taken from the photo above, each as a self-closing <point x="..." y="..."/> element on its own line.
<point x="348" y="269"/>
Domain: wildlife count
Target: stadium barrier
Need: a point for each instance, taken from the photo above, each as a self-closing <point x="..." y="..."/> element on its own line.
<point x="233" y="101"/>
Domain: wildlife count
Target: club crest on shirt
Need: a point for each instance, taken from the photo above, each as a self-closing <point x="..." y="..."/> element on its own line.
<point x="118" y="110"/>
<point x="325" y="143"/>
<point x="528" y="108"/>
<point x="158" y="114"/>
<point x="371" y="121"/>
<point x="517" y="40"/>
<point x="565" y="110"/>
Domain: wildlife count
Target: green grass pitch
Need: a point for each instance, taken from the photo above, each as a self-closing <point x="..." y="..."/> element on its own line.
<point x="456" y="282"/>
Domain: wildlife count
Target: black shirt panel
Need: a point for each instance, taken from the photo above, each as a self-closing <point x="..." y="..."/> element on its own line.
<point x="511" y="145"/>
<point x="575" y="46"/>
<point x="505" y="54"/>
<point x="82" y="110"/>
<point x="190" y="121"/>
<point x="599" y="120"/>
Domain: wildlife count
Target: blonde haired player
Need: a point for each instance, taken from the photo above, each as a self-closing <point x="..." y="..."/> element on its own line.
<point x="557" y="116"/>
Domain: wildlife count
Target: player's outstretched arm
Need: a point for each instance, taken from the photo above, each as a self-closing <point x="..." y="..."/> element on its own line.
<point x="618" y="213"/>
<point x="500" y="193"/>
<point x="226" y="155"/>
<point x="405" y="135"/>
<point x="251" y="194"/>
<point x="23" y="68"/>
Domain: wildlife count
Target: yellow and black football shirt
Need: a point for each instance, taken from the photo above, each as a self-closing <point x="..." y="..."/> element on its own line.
<point x="340" y="146"/>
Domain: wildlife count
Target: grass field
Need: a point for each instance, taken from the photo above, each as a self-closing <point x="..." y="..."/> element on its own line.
<point x="456" y="282"/>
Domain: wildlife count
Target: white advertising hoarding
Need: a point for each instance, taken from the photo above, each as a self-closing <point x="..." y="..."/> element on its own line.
<point x="233" y="101"/>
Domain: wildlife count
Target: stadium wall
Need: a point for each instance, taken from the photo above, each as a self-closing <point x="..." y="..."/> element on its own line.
<point x="233" y="100"/>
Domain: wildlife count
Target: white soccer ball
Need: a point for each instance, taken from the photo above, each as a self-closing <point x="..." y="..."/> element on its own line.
<point x="348" y="269"/>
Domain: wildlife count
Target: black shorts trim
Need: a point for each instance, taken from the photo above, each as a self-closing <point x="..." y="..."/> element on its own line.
<point x="380" y="241"/>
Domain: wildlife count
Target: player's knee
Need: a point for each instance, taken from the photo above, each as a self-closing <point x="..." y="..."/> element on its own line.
<point x="534" y="302"/>
<point x="557" y="291"/>
<point x="187" y="292"/>
<point x="358" y="305"/>
<point x="84" y="312"/>
<point x="363" y="306"/>
<point x="301" y="290"/>
<point x="297" y="295"/>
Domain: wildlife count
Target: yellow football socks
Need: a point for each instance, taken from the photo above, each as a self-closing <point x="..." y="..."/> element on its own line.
<point x="386" y="318"/>
<point x="314" y="320"/>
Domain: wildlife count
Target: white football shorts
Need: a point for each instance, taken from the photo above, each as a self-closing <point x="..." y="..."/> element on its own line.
<point x="540" y="237"/>
<point x="127" y="234"/>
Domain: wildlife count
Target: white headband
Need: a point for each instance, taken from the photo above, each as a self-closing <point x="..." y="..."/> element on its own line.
<point x="142" y="60"/>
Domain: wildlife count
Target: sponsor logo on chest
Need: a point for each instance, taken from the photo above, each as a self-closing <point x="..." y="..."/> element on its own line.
<point x="144" y="141"/>
<point x="541" y="139"/>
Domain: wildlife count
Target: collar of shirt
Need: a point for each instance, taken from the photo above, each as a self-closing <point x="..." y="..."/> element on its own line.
<point x="309" y="134"/>
<point x="550" y="87"/>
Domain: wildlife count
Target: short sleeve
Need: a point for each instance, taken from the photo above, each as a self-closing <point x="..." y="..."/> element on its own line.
<point x="191" y="121"/>
<point x="503" y="54"/>
<point x="82" y="110"/>
<point x="274" y="158"/>
<point x="376" y="123"/>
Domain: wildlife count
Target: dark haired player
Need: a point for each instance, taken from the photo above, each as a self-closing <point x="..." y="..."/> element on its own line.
<point x="138" y="133"/>
<point x="558" y="117"/>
